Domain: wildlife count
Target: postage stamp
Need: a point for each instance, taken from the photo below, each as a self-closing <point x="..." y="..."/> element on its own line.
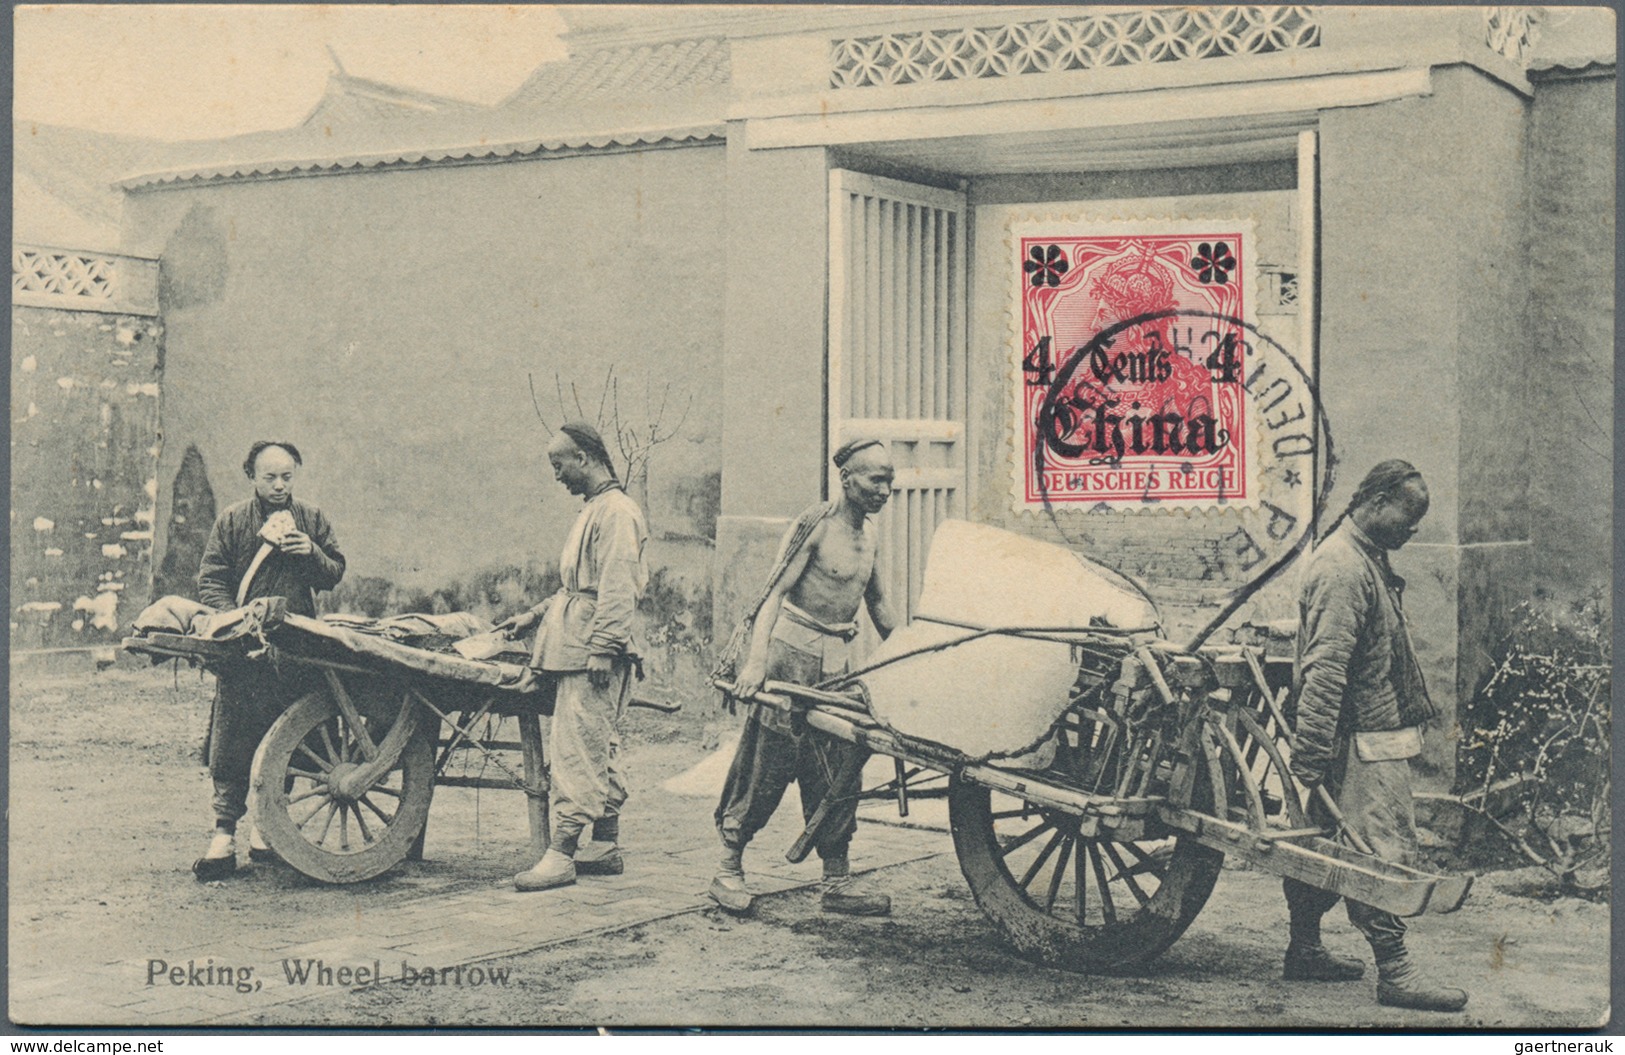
<point x="1158" y="409"/>
<point x="1150" y="376"/>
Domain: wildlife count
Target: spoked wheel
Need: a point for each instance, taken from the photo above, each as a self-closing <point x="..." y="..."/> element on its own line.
<point x="314" y="812"/>
<point x="1083" y="903"/>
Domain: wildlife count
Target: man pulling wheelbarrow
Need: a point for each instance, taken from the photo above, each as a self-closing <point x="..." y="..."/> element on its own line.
<point x="800" y="631"/>
<point x="1362" y="705"/>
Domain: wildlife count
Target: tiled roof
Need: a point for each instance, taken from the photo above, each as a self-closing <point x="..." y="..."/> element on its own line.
<point x="40" y="217"/>
<point x="349" y="100"/>
<point x="673" y="92"/>
<point x="1572" y="39"/>
<point x="62" y="183"/>
<point x="650" y="69"/>
<point x="490" y="136"/>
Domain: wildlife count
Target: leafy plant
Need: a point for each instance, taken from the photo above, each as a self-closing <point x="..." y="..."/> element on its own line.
<point x="1538" y="732"/>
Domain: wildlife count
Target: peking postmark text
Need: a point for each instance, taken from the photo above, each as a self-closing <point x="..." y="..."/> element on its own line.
<point x="1094" y="413"/>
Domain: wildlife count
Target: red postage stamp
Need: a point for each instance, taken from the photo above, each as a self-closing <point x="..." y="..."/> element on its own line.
<point x="1131" y="363"/>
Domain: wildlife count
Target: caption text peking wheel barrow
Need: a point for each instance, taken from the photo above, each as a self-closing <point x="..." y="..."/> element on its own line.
<point x="344" y="779"/>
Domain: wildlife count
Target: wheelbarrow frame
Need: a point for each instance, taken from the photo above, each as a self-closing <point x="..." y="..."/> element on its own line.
<point x="1229" y="792"/>
<point x="350" y="690"/>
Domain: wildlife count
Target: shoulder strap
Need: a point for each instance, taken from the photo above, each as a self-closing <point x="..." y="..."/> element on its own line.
<point x="253" y="567"/>
<point x="800" y="532"/>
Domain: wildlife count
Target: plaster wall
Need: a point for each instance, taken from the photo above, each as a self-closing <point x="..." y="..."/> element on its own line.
<point x="1422" y="295"/>
<point x="391" y="324"/>
<point x="1568" y="339"/>
<point x="774" y="355"/>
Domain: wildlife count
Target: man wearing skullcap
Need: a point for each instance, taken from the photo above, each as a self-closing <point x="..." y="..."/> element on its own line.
<point x="800" y="631"/>
<point x="586" y="645"/>
<point x="1361" y="708"/>
<point x="269" y="545"/>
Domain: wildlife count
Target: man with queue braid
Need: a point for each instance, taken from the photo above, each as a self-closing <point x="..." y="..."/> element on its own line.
<point x="1361" y="708"/>
<point x="585" y="643"/>
<point x="800" y="631"/>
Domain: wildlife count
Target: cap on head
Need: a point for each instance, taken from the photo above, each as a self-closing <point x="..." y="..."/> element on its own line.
<point x="588" y="442"/>
<point x="1384" y="481"/>
<point x="844" y="453"/>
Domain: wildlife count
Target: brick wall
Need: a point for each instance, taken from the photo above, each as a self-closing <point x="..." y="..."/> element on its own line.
<point x="84" y="457"/>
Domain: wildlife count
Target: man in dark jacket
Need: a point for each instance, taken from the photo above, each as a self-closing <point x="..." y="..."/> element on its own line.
<point x="270" y="545"/>
<point x="1362" y="705"/>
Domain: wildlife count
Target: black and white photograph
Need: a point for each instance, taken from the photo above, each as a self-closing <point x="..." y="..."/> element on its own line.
<point x="829" y="517"/>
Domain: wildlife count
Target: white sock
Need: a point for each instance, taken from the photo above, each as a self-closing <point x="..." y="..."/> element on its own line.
<point x="222" y="845"/>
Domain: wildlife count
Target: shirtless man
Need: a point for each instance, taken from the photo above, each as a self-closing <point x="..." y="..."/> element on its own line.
<point x="801" y="631"/>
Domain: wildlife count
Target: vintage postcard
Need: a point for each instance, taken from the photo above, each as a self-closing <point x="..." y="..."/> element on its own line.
<point x="1143" y="475"/>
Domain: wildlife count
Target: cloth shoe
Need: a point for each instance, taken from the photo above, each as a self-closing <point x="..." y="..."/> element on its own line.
<point x="839" y="897"/>
<point x="258" y="850"/>
<point x="599" y="859"/>
<point x="728" y="891"/>
<point x="555" y="869"/>
<point x="1316" y="963"/>
<point x="218" y="861"/>
<point x="1400" y="983"/>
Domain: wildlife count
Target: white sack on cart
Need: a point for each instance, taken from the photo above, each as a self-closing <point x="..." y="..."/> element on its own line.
<point x="995" y="695"/>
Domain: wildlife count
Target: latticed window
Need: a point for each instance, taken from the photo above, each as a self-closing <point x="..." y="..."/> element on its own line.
<point x="1511" y="31"/>
<point x="62" y="274"/>
<point x="1057" y="45"/>
<point x="69" y="280"/>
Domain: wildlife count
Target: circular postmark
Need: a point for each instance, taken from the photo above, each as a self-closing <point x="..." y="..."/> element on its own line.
<point x="1195" y="411"/>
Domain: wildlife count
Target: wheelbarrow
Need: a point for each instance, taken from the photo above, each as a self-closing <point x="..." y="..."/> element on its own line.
<point x="1097" y="775"/>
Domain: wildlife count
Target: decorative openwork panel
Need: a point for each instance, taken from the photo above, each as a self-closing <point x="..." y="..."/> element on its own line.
<point x="1511" y="31"/>
<point x="1132" y="38"/>
<point x="64" y="274"/>
<point x="59" y="278"/>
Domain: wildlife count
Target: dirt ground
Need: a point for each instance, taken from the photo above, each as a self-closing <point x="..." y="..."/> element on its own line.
<point x="937" y="963"/>
<point x="108" y="806"/>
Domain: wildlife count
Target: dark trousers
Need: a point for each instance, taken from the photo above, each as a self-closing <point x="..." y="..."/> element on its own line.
<point x="247" y="700"/>
<point x="1307" y="904"/>
<point x="765" y="763"/>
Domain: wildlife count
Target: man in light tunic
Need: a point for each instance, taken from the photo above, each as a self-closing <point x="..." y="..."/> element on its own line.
<point x="800" y="631"/>
<point x="586" y="644"/>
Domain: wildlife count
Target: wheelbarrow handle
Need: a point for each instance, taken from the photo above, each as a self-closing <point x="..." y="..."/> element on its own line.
<point x="785" y="694"/>
<point x="1337" y="815"/>
<point x="762" y="696"/>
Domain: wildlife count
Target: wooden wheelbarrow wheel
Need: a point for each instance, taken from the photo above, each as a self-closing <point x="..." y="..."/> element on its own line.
<point x="327" y="827"/>
<point x="1085" y="904"/>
